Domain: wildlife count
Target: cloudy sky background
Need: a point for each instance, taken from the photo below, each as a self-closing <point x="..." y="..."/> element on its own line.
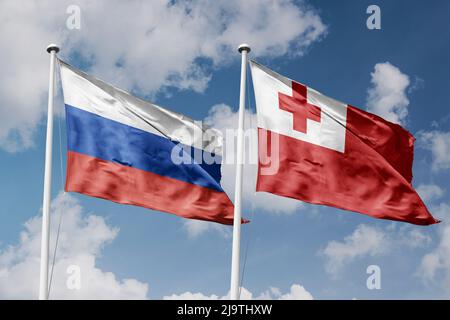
<point x="182" y="55"/>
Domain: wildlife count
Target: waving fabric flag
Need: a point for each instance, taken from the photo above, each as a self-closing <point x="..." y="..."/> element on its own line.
<point x="130" y="151"/>
<point x="326" y="152"/>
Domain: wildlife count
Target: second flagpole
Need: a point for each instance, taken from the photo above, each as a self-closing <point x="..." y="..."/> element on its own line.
<point x="244" y="49"/>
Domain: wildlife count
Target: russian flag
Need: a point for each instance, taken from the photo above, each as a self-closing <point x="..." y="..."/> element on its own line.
<point x="130" y="151"/>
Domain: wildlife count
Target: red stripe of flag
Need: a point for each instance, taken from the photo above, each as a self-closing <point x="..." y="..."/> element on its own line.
<point x="123" y="184"/>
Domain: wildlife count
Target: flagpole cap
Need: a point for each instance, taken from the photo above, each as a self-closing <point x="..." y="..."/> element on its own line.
<point x="244" y="47"/>
<point x="52" y="47"/>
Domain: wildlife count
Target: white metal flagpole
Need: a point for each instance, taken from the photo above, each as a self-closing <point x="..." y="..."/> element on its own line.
<point x="244" y="49"/>
<point x="45" y="239"/>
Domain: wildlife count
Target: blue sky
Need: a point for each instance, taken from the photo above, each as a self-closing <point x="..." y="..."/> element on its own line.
<point x="324" y="250"/>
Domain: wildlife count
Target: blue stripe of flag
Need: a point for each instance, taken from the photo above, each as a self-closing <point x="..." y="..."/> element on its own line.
<point x="109" y="140"/>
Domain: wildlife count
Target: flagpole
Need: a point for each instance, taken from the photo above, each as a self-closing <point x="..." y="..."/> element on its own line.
<point x="244" y="49"/>
<point x="45" y="238"/>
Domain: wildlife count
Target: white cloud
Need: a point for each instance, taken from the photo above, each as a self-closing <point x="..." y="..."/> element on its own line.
<point x="25" y="31"/>
<point x="435" y="265"/>
<point x="430" y="192"/>
<point x="81" y="241"/>
<point x="296" y="292"/>
<point x="194" y="228"/>
<point x="442" y="211"/>
<point x="387" y="95"/>
<point x="438" y="143"/>
<point x="191" y="296"/>
<point x="369" y="241"/>
<point x="364" y="241"/>
<point x="143" y="46"/>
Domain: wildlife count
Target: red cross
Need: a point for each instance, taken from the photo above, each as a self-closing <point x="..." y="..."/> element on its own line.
<point x="299" y="107"/>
